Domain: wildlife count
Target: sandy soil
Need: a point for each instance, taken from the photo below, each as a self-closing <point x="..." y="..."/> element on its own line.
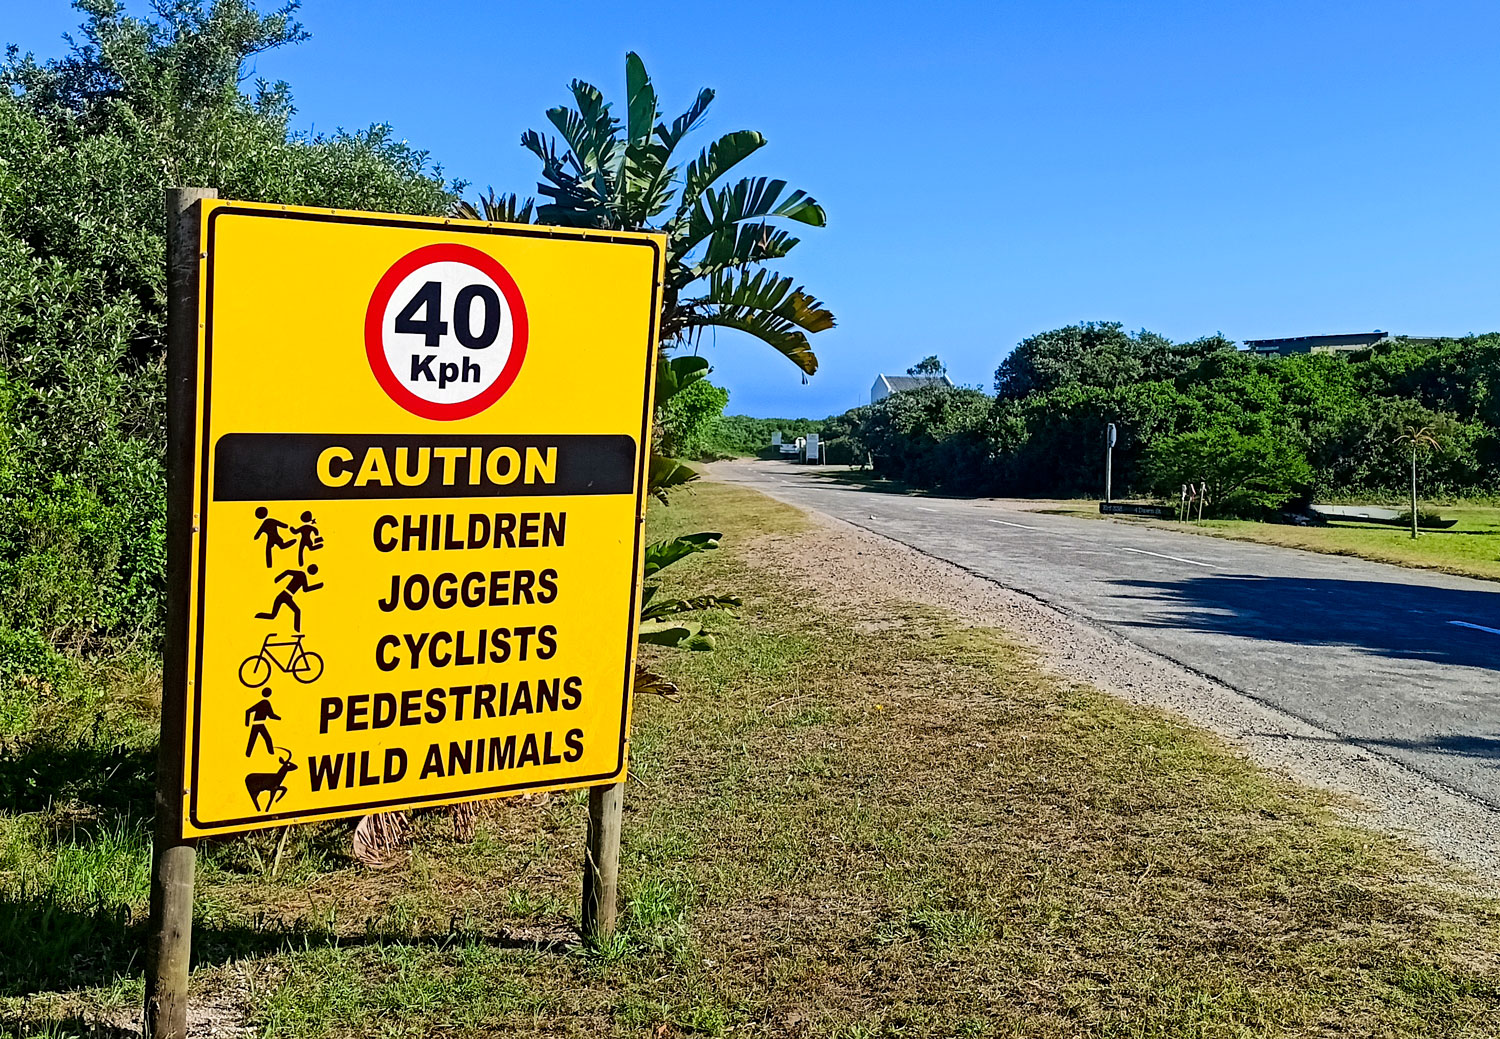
<point x="849" y="565"/>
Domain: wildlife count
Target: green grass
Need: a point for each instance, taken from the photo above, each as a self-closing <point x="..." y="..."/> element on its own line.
<point x="1470" y="548"/>
<point x="863" y="820"/>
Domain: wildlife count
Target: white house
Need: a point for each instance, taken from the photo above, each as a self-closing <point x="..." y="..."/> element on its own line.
<point x="885" y="385"/>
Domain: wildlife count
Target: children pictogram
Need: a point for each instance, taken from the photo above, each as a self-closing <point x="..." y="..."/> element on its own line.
<point x="308" y="538"/>
<point x="270" y="528"/>
<point x="302" y="665"/>
<point x="296" y="581"/>
<point x="256" y="717"/>
<point x="273" y="783"/>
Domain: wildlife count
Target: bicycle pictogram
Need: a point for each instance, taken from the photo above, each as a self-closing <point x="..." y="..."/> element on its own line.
<point x="301" y="664"/>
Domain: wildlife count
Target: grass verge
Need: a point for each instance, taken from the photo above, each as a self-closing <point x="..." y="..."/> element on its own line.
<point x="862" y="821"/>
<point x="1471" y="548"/>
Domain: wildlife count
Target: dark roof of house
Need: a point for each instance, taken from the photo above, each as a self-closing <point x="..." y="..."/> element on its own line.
<point x="897" y="383"/>
<point x="1296" y="343"/>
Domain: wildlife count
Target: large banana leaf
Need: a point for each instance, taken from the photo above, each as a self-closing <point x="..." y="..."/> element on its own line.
<point x="576" y="203"/>
<point x="641" y="111"/>
<point x="667" y="633"/>
<point x="665" y="474"/>
<point x="687" y="122"/>
<point x="738" y="246"/>
<point x="648" y="183"/>
<point x="778" y="334"/>
<point x="767" y="292"/>
<point x="675" y="375"/>
<point x="648" y="170"/>
<point x="662" y="554"/>
<point x="750" y="199"/>
<point x="765" y="306"/>
<point x="715" y="161"/>
<point x="672" y="607"/>
<point x="591" y="133"/>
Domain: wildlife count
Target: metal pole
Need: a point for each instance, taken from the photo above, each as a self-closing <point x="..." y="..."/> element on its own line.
<point x="173" y="859"/>
<point x="601" y="862"/>
<point x="1109" y="462"/>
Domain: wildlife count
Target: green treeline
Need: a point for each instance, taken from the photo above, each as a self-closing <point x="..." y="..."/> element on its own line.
<point x="1262" y="432"/>
<point x="741" y="435"/>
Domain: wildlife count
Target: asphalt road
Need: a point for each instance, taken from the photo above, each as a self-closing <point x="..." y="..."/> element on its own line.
<point x="1402" y="663"/>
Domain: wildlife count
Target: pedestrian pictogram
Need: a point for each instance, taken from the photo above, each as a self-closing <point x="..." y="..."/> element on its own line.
<point x="256" y="716"/>
<point x="414" y="568"/>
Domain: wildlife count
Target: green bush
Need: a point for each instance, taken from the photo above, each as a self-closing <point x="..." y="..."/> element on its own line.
<point x="934" y="437"/>
<point x="1246" y="475"/>
<point x="689" y="421"/>
<point x="844" y="451"/>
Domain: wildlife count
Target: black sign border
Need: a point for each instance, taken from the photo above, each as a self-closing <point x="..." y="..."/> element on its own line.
<point x="204" y="465"/>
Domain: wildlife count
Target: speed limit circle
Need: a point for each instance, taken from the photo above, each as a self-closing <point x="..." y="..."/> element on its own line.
<point x="445" y="331"/>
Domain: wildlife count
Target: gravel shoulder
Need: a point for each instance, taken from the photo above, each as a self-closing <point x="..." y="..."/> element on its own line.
<point x="851" y="564"/>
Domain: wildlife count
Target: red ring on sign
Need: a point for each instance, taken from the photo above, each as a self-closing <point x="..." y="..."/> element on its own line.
<point x="375" y="337"/>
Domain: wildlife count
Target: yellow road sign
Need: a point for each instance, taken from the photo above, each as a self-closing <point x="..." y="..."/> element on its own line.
<point x="420" y="493"/>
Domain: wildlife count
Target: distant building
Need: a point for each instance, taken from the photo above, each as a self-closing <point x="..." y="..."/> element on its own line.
<point x="1333" y="344"/>
<point x="885" y="385"/>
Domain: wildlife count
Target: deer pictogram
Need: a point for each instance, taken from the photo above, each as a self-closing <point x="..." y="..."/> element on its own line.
<point x="273" y="783"/>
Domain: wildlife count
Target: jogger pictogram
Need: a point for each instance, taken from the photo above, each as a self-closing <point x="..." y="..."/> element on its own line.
<point x="296" y="581"/>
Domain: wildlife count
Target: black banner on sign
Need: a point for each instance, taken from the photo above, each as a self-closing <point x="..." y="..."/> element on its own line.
<point x="314" y="466"/>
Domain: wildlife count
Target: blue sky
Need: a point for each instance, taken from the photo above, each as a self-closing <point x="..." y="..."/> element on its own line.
<point x="991" y="170"/>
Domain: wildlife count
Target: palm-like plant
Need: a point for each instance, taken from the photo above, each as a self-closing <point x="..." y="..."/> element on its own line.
<point x="625" y="175"/>
<point x="1418" y="437"/>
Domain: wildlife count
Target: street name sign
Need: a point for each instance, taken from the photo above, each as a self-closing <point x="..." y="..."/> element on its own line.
<point x="420" y="486"/>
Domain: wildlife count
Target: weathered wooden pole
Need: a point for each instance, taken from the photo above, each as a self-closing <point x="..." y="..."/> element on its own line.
<point x="173" y="859"/>
<point x="601" y="862"/>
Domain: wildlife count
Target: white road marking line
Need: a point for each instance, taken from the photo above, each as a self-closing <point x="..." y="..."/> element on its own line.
<point x="1476" y="627"/>
<point x="921" y="508"/>
<point x="1177" y="559"/>
<point x="1007" y="523"/>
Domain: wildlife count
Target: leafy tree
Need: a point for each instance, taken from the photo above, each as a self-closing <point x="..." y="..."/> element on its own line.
<point x="625" y="175"/>
<point x="933" y="436"/>
<point x="1246" y="475"/>
<point x="689" y="420"/>
<point x="92" y="139"/>
<point x="1099" y="354"/>
<point x="929" y="365"/>
<point x="1342" y="413"/>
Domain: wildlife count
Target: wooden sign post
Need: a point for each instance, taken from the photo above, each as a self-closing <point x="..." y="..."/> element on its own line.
<point x="174" y="857"/>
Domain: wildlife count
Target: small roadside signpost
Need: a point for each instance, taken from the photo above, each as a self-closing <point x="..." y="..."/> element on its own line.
<point x="406" y="506"/>
<point x="1109" y="461"/>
